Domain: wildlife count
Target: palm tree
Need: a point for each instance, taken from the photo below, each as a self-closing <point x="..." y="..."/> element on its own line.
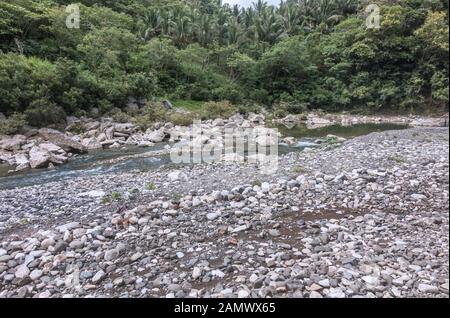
<point x="204" y="30"/>
<point x="268" y="28"/>
<point x="180" y="30"/>
<point x="346" y="7"/>
<point x="153" y="21"/>
<point x="290" y="17"/>
<point x="221" y="25"/>
<point x="235" y="34"/>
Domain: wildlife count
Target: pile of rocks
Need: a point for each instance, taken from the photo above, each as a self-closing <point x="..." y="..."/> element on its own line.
<point x="38" y="149"/>
<point x="47" y="147"/>
<point x="367" y="219"/>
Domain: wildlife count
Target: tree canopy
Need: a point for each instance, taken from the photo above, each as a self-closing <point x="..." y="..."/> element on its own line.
<point x="308" y="54"/>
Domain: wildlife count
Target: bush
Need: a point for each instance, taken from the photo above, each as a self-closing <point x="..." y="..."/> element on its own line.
<point x="119" y="116"/>
<point x="223" y="109"/>
<point x="249" y="108"/>
<point x="12" y="124"/>
<point x="181" y="119"/>
<point x="154" y="112"/>
<point x="282" y="109"/>
<point x="41" y="113"/>
<point x="24" y="81"/>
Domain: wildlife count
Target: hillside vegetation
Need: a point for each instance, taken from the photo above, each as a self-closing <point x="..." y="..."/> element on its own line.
<point x="303" y="55"/>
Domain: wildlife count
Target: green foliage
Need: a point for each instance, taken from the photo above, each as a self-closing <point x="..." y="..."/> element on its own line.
<point x="298" y="56"/>
<point x="222" y="109"/>
<point x="13" y="124"/>
<point x="188" y="105"/>
<point x="41" y="113"/>
<point x="180" y="119"/>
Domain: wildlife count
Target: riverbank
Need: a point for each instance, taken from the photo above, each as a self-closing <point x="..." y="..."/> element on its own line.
<point x="366" y="219"/>
<point x="324" y="119"/>
<point x="46" y="148"/>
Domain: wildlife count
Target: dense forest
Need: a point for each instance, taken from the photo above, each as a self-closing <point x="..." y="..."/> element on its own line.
<point x="302" y="55"/>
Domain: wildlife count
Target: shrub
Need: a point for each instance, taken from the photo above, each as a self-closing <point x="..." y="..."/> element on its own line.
<point x="77" y="128"/>
<point x="12" y="124"/>
<point x="154" y="112"/>
<point x="119" y="116"/>
<point x="41" y="113"/>
<point x="181" y="119"/>
<point x="223" y="109"/>
<point x="249" y="108"/>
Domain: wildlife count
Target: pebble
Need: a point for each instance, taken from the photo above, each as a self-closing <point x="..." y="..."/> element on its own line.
<point x="98" y="277"/>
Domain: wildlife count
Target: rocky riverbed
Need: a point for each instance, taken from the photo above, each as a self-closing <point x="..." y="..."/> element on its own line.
<point x="368" y="218"/>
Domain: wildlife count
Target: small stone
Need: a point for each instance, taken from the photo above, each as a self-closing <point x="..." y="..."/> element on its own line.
<point x="111" y="255"/>
<point x="315" y="294"/>
<point x="370" y="280"/>
<point x="418" y="197"/>
<point x="98" y="277"/>
<point x="426" y="288"/>
<point x="336" y="293"/>
<point x="315" y="287"/>
<point x="60" y="246"/>
<point x="265" y="187"/>
<point x="135" y="256"/>
<point x="36" y="274"/>
<point x="325" y="283"/>
<point x="212" y="216"/>
<point x="243" y="294"/>
<point x="180" y="255"/>
<point x="45" y="294"/>
<point x="68" y="227"/>
<point x="22" y="272"/>
<point x="239" y="229"/>
<point x="274" y="232"/>
<point x="196" y="273"/>
<point x="218" y="273"/>
<point x="45" y="244"/>
<point x="253" y="278"/>
<point x="77" y="244"/>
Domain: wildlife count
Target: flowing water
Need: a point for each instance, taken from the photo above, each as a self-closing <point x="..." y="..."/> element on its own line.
<point x="134" y="158"/>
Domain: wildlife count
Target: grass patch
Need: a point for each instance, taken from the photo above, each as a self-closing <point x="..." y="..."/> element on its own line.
<point x="151" y="186"/>
<point x="256" y="182"/>
<point x="189" y="105"/>
<point x="298" y="169"/>
<point x="114" y="196"/>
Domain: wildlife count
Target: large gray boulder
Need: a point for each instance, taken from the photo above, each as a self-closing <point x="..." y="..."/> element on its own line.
<point x="92" y="125"/>
<point x="91" y="144"/>
<point x="44" y="154"/>
<point x="256" y="118"/>
<point x="67" y="143"/>
<point x="22" y="161"/>
<point x="7" y="157"/>
<point x="39" y="158"/>
<point x="156" y="135"/>
<point x="126" y="129"/>
<point x="167" y="104"/>
<point x="12" y="143"/>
